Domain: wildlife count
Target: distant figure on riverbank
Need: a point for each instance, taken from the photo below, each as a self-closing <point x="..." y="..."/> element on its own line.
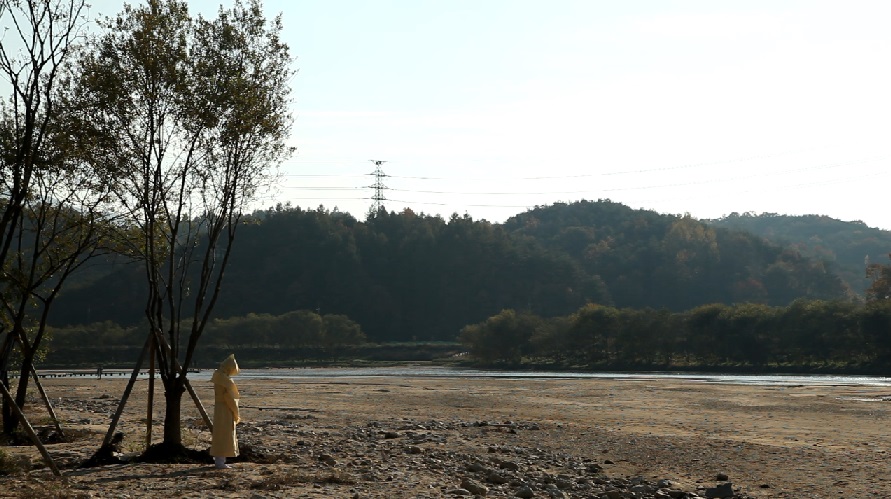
<point x="225" y="413"/>
<point x="99" y="372"/>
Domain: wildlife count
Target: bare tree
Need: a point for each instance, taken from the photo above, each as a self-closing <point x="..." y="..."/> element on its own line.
<point x="62" y="227"/>
<point x="190" y="117"/>
<point x="34" y="49"/>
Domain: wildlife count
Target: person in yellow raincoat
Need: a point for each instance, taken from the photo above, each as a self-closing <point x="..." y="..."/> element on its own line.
<point x="225" y="413"/>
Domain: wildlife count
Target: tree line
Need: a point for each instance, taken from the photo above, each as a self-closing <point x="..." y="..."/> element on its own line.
<point x="807" y="335"/>
<point x="415" y="277"/>
<point x="295" y="329"/>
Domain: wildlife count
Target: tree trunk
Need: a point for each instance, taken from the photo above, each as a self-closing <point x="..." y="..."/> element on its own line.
<point x="150" y="405"/>
<point x="9" y="418"/>
<point x="21" y="393"/>
<point x="173" y="395"/>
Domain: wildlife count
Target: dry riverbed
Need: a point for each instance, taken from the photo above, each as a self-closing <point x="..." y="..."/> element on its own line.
<point x="387" y="437"/>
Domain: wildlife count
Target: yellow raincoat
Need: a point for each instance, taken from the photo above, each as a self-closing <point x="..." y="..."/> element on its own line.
<point x="225" y="411"/>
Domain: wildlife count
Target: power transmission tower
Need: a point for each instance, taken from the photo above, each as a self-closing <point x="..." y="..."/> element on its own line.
<point x="378" y="185"/>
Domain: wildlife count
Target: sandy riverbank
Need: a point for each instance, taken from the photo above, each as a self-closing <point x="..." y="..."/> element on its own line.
<point x="418" y="437"/>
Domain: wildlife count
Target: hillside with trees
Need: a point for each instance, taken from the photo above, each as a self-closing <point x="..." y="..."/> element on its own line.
<point x="413" y="277"/>
<point x="805" y="336"/>
<point x="653" y="260"/>
<point x="844" y="245"/>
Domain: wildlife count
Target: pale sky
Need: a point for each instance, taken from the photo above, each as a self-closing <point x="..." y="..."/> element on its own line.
<point x="490" y="107"/>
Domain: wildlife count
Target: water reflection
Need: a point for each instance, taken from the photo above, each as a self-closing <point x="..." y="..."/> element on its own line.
<point x="453" y="372"/>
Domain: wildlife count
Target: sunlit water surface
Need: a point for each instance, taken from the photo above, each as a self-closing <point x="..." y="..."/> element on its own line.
<point x="420" y="371"/>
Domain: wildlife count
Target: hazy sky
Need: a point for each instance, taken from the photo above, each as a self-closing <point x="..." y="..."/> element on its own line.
<point x="490" y="107"/>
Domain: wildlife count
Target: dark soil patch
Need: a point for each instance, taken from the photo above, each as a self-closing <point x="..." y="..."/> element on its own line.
<point x="107" y="454"/>
<point x="173" y="454"/>
<point x="250" y="454"/>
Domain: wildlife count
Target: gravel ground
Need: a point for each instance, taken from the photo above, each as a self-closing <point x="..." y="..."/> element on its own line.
<point x="387" y="437"/>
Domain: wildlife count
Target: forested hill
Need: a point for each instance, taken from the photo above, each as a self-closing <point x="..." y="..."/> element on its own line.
<point x="651" y="260"/>
<point x="844" y="244"/>
<point x="405" y="276"/>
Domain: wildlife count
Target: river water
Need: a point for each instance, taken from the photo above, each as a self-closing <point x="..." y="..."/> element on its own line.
<point x="424" y="371"/>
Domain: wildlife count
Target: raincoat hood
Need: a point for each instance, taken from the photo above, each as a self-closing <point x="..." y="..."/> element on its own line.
<point x="229" y="367"/>
<point x="221" y="376"/>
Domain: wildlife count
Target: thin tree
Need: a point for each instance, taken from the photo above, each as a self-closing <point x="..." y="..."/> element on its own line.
<point x="191" y="117"/>
<point x="34" y="48"/>
<point x="62" y="227"/>
<point x="880" y="289"/>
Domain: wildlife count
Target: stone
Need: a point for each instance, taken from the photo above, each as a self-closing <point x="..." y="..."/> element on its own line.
<point x="563" y="484"/>
<point x="497" y="478"/>
<point x="723" y="490"/>
<point x="476" y="467"/>
<point x="458" y="492"/>
<point x="474" y="487"/>
<point x="554" y="492"/>
<point x="643" y="489"/>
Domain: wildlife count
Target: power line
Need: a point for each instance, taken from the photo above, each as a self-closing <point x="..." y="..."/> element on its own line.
<point x="431" y="203"/>
<point x="544" y="196"/>
<point x="380" y="187"/>
<point x="646" y="170"/>
<point x="309" y="175"/>
<point x="321" y="188"/>
<point x="736" y="160"/>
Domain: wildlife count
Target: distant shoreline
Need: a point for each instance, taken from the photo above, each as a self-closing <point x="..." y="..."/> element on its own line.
<point x="432" y="370"/>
